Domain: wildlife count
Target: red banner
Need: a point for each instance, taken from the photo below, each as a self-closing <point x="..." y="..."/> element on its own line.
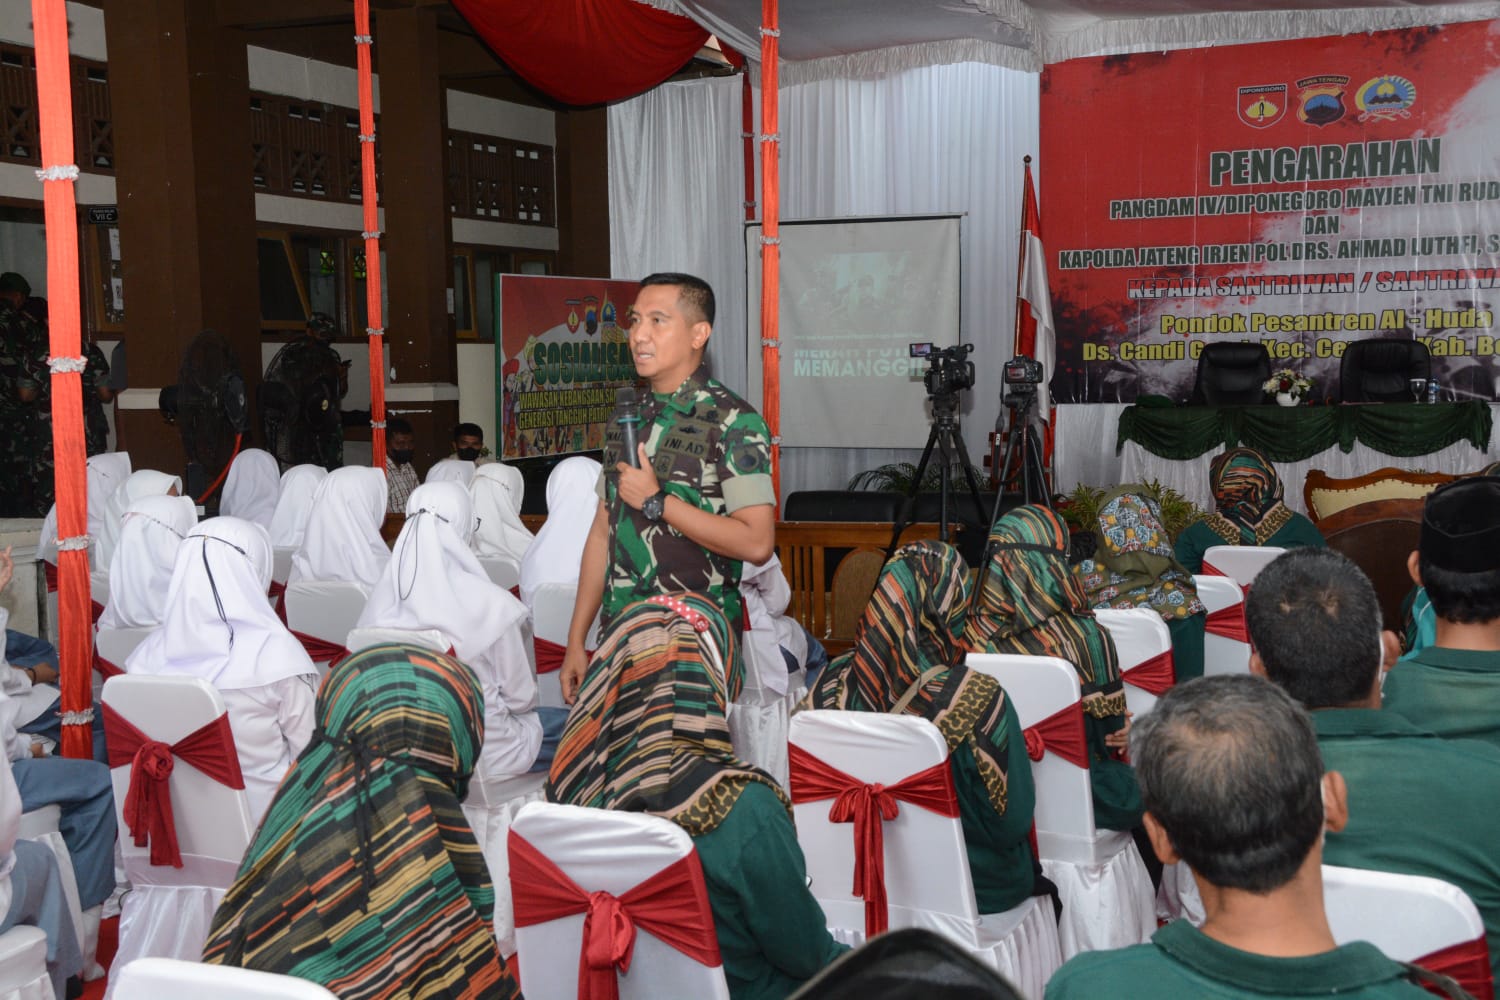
<point x="1299" y="195"/>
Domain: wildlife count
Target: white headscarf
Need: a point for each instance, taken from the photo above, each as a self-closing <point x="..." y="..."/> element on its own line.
<point x="219" y="624"/>
<point x="141" y="569"/>
<point x="434" y="580"/>
<point x="342" y="540"/>
<point x="496" y="490"/>
<point x="137" y="486"/>
<point x="571" y="505"/>
<point x="298" y="486"/>
<point x="105" y="473"/>
<point x="451" y="470"/>
<point x="252" y="487"/>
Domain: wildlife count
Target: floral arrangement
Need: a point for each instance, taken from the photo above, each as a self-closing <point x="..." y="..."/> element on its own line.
<point x="1288" y="381"/>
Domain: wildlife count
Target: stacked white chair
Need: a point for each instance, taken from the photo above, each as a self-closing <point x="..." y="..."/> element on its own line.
<point x="1144" y="645"/>
<point x="1100" y="877"/>
<point x="23" y="965"/>
<point x="927" y="878"/>
<point x="168" y="911"/>
<point x="588" y="851"/>
<point x="1226" y="644"/>
<point x="551" y="615"/>
<point x="1411" y="918"/>
<point x="171" y="979"/>
<point x="325" y="610"/>
<point x="1240" y="563"/>
<point x="504" y="573"/>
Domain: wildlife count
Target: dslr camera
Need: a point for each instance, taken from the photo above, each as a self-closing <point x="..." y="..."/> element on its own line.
<point x="950" y="368"/>
<point x="1022" y="375"/>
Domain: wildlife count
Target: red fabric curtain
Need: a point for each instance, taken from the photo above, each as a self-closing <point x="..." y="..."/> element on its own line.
<point x="363" y="42"/>
<point x="585" y="51"/>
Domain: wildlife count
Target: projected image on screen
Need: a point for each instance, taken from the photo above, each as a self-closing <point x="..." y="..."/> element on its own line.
<point x="854" y="295"/>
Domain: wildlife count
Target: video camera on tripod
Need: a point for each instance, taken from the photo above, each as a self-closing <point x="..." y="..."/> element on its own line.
<point x="950" y="369"/>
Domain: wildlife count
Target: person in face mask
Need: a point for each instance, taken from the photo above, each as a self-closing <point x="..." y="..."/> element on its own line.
<point x="468" y="444"/>
<point x="400" y="476"/>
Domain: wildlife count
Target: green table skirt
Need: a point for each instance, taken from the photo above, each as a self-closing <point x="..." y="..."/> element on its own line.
<point x="1294" y="433"/>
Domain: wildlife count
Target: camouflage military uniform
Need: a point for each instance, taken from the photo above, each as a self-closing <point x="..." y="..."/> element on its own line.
<point x="20" y="340"/>
<point x="95" y="423"/>
<point x="709" y="448"/>
<point x="35" y="374"/>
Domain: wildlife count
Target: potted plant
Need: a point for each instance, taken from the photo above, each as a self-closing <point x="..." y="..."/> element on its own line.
<point x="1287" y="386"/>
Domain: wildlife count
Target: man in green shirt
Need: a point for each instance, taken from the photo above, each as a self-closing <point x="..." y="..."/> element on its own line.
<point x="1452" y="688"/>
<point x="1417" y="799"/>
<point x="1253" y="835"/>
<point x="697" y="502"/>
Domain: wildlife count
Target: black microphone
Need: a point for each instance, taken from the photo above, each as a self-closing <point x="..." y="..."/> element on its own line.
<point x="628" y="417"/>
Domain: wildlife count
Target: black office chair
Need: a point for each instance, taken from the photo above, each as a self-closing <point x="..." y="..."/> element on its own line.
<point x="1380" y="371"/>
<point x="1231" y="375"/>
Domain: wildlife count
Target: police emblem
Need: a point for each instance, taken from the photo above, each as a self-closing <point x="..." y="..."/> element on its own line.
<point x="1322" y="99"/>
<point x="1385" y="98"/>
<point x="1261" y="106"/>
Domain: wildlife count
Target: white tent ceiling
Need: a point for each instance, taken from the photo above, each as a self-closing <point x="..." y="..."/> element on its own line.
<point x="825" y="38"/>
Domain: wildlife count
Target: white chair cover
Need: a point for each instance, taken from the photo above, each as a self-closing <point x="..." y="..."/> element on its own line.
<point x="1221" y="654"/>
<point x="170" y="979"/>
<point x="551" y="614"/>
<point x="607" y="851"/>
<point x="490" y="809"/>
<point x="1241" y="563"/>
<point x="758" y="721"/>
<point x="168" y="911"/>
<point x="1139" y="635"/>
<point x="23" y="965"/>
<point x="43" y="826"/>
<point x="1406" y="916"/>
<point x="427" y="638"/>
<point x="505" y="573"/>
<point x="324" y="609"/>
<point x="927" y="877"/>
<point x="116" y="644"/>
<point x="281" y="563"/>
<point x="1100" y="877"/>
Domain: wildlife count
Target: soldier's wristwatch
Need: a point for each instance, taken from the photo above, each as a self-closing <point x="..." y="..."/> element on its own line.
<point x="654" y="506"/>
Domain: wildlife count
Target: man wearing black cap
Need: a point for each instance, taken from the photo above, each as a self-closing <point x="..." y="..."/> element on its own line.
<point x="1452" y="688"/>
<point x="299" y="401"/>
<point x="20" y="338"/>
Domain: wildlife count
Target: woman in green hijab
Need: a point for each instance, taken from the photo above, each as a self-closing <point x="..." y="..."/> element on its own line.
<point x="1248" y="510"/>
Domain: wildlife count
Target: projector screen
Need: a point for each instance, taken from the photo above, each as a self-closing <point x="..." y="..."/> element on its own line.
<point x="854" y="294"/>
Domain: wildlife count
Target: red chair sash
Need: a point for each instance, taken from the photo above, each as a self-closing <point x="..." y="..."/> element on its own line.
<point x="1229" y="622"/>
<point x="1061" y="733"/>
<point x="671" y="905"/>
<point x="148" y="802"/>
<point x="1468" y="964"/>
<point x="1156" y="675"/>
<point x="277" y="593"/>
<point x="869" y="807"/>
<point x="549" y="655"/>
<point x="50" y="570"/>
<point x="320" y="650"/>
<point x="104" y="667"/>
<point x="1209" y="569"/>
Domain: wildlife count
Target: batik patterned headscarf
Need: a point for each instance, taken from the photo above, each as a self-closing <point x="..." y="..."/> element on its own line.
<point x="910" y="637"/>
<point x="1029" y="602"/>
<point x="1247" y="495"/>
<point x="1134" y="565"/>
<point x="364" y="875"/>
<point x="648" y="732"/>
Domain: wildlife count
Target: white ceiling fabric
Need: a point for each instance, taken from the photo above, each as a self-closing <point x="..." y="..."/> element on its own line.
<point x="824" y="39"/>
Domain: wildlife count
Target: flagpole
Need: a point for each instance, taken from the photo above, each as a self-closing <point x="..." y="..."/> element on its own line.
<point x="1021" y="262"/>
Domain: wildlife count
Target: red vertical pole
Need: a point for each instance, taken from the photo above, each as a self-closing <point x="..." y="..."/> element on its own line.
<point x="75" y="632"/>
<point x="770" y="251"/>
<point x="369" y="198"/>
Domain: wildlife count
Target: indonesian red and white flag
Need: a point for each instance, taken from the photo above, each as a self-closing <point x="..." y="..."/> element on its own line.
<point x="1035" y="335"/>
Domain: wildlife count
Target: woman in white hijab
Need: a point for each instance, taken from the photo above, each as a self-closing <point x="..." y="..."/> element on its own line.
<point x="558" y="549"/>
<point x="138" y="485"/>
<point x="434" y="581"/>
<point x="219" y="626"/>
<point x="342" y="539"/>
<point x="496" y="490"/>
<point x="451" y="470"/>
<point x="141" y="569"/>
<point x="252" y="487"/>
<point x="294" y="504"/>
<point x="105" y="474"/>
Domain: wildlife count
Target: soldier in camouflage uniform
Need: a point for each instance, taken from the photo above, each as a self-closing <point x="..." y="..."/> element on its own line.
<point x="96" y="392"/>
<point x="701" y="503"/>
<point x="19" y="338"/>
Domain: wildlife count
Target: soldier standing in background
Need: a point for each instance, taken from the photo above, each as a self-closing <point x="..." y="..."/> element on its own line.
<point x="97" y="390"/>
<point x="19" y="336"/>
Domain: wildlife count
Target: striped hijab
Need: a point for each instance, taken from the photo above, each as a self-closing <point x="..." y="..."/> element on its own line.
<point x="364" y="875"/>
<point x="1247" y="494"/>
<point x="648" y="733"/>
<point x="913" y="625"/>
<point x="1029" y="602"/>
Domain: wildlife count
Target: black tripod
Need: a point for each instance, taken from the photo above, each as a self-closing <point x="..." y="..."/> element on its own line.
<point x="945" y="437"/>
<point x="1023" y="452"/>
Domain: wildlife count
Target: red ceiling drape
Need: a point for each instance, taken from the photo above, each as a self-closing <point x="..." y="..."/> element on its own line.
<point x="585" y="51"/>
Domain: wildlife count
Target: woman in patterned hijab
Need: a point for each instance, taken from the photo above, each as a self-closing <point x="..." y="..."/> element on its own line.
<point x="1029" y="602"/>
<point x="1248" y="510"/>
<point x="364" y="876"/>
<point x="907" y="657"/>
<point x="648" y="734"/>
<point x="1133" y="567"/>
